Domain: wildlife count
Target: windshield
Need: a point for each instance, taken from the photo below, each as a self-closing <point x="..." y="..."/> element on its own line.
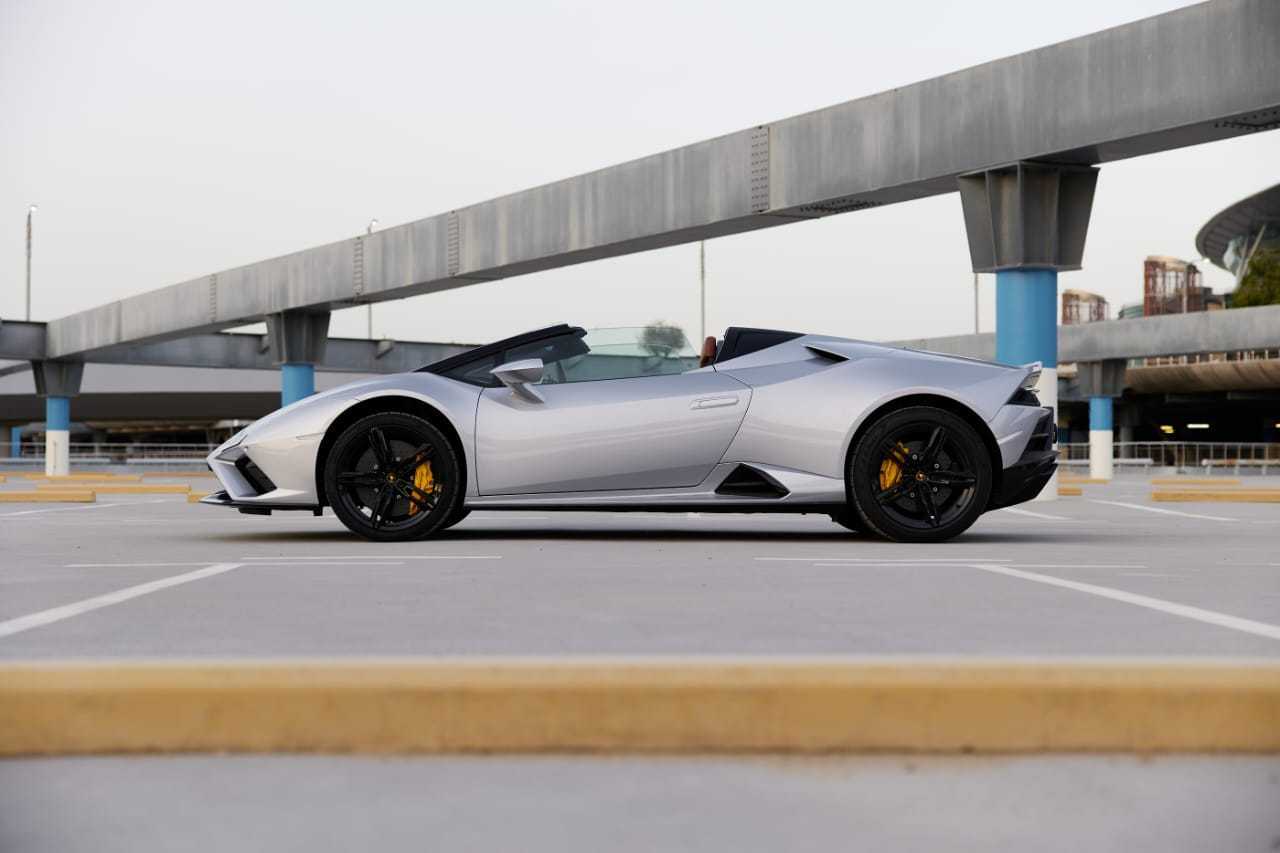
<point x="572" y="355"/>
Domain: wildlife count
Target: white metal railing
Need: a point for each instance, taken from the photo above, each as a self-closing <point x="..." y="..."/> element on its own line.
<point x="115" y="453"/>
<point x="1256" y="456"/>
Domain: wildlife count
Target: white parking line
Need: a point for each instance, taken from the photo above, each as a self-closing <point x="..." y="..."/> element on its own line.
<point x="378" y="557"/>
<point x="128" y="565"/>
<point x="1248" y="626"/>
<point x="1165" y="511"/>
<point x="964" y="561"/>
<point x="87" y="506"/>
<point x="57" y="614"/>
<point x="1029" y="513"/>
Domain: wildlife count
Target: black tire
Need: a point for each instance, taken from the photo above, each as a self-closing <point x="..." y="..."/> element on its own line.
<point x="908" y="451"/>
<point x="458" y="515"/>
<point x="847" y="518"/>
<point x="393" y="477"/>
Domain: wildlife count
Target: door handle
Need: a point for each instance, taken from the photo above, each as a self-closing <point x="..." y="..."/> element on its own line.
<point x="714" y="402"/>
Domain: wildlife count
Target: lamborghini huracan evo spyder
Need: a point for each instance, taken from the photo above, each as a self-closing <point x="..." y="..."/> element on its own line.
<point x="895" y="443"/>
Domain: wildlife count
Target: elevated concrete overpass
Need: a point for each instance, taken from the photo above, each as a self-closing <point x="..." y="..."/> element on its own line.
<point x="1018" y="137"/>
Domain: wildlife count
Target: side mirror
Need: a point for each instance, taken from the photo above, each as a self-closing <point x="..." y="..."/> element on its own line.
<point x="520" y="377"/>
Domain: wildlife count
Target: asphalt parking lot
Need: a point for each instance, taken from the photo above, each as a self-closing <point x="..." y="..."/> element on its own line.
<point x="1106" y="574"/>
<point x="1109" y="573"/>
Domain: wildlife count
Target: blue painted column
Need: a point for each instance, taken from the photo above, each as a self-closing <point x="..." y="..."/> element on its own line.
<point x="297" y="380"/>
<point x="57" y="431"/>
<point x="1101" y="446"/>
<point x="15" y="442"/>
<point x="1027" y="317"/>
<point x="1027" y="330"/>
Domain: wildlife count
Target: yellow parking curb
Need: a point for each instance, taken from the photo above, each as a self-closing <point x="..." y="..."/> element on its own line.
<point x="124" y="488"/>
<point x="195" y="497"/>
<point x="1084" y="481"/>
<point x="76" y="478"/>
<point x="49" y="496"/>
<point x="1070" y="491"/>
<point x="1195" y="481"/>
<point x="1240" y="496"/>
<point x="163" y="474"/>
<point x="640" y="705"/>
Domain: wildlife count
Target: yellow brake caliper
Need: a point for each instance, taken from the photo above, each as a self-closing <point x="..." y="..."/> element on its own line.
<point x="891" y="468"/>
<point x="423" y="480"/>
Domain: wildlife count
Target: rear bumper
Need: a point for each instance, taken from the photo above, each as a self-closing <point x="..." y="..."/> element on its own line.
<point x="1026" y="478"/>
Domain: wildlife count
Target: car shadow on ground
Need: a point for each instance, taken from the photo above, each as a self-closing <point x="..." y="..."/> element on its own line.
<point x="570" y="533"/>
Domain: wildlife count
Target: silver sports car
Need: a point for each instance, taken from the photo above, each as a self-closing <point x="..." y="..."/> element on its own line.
<point x="896" y="443"/>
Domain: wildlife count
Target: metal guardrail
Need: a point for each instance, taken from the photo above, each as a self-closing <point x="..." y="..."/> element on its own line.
<point x="1184" y="455"/>
<point x="107" y="453"/>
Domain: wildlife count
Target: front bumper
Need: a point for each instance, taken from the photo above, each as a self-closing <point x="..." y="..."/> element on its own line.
<point x="1025" y="479"/>
<point x="221" y="498"/>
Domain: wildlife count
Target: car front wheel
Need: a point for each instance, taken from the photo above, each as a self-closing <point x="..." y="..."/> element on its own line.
<point x="392" y="477"/>
<point x="920" y="474"/>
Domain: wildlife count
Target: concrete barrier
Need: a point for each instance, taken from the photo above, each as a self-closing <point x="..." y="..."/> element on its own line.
<point x="1202" y="495"/>
<point x="112" y="488"/>
<point x="641" y="705"/>
<point x="49" y="496"/>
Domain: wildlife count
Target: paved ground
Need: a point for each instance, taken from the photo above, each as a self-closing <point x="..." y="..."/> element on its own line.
<point x="1107" y="574"/>
<point x="1066" y="804"/>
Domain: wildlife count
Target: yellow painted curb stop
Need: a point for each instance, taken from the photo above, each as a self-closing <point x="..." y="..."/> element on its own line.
<point x="124" y="488"/>
<point x="1070" y="491"/>
<point x="194" y="497"/>
<point x="50" y="496"/>
<point x="1241" y="496"/>
<point x="177" y="474"/>
<point x="1084" y="481"/>
<point x="1195" y="481"/>
<point x="640" y="705"/>
<point x="77" y="478"/>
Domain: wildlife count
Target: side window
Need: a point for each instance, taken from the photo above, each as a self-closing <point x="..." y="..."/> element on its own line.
<point x="628" y="353"/>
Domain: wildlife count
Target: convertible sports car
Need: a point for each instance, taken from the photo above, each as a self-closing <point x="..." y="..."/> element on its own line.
<point x="890" y="442"/>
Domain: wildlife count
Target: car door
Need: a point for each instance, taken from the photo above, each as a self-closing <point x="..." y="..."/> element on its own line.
<point x="641" y="432"/>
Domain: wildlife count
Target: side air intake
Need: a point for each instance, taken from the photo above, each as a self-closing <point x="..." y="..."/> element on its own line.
<point x="746" y="482"/>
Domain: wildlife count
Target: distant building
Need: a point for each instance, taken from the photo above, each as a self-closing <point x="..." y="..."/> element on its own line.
<point x="1081" y="306"/>
<point x="1172" y="286"/>
<point x="1232" y="237"/>
<point x="1128" y="312"/>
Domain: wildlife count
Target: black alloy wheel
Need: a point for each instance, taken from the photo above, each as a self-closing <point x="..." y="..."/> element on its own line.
<point x="392" y="477"/>
<point x="920" y="474"/>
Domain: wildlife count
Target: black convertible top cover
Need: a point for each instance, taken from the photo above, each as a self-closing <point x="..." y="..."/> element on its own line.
<point x="462" y="358"/>
<point x="741" y="341"/>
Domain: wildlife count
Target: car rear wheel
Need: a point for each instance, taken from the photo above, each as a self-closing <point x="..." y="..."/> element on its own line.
<point x="920" y="474"/>
<point x="393" y="477"/>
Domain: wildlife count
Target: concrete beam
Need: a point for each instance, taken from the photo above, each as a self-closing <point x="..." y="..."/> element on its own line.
<point x="1143" y="337"/>
<point x="1198" y="74"/>
<point x="22" y="340"/>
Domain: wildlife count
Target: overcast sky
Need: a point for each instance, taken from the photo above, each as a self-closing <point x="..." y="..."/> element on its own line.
<point x="168" y="140"/>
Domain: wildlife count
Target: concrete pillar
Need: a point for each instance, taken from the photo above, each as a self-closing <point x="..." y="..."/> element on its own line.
<point x="57" y="435"/>
<point x="1101" y="382"/>
<point x="1026" y="222"/>
<point x="1101" y="448"/>
<point x="296" y="382"/>
<point x="57" y="382"/>
<point x="15" y="442"/>
<point x="297" y="342"/>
